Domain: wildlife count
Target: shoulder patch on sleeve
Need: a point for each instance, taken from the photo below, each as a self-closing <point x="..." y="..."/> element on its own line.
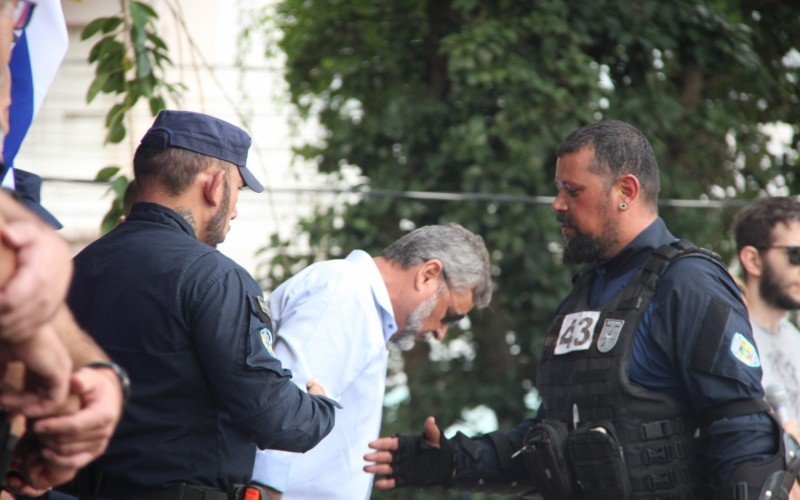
<point x="268" y="340"/>
<point x="259" y="307"/>
<point x="743" y="350"/>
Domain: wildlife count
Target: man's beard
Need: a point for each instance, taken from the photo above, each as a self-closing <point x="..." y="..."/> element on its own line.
<point x="404" y="339"/>
<point x="770" y="289"/>
<point x="215" y="229"/>
<point x="580" y="248"/>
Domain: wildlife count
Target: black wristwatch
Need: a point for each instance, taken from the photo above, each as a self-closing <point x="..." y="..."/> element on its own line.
<point x="122" y="375"/>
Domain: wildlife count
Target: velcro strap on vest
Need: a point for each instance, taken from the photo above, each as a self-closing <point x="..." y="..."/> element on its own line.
<point x="663" y="454"/>
<point x="661" y="428"/>
<point x="735" y="409"/>
<point x="666" y="480"/>
<point x="712" y="331"/>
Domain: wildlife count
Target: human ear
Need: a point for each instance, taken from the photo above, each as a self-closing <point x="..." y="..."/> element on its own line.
<point x="750" y="258"/>
<point x="213" y="187"/>
<point x="628" y="188"/>
<point x="428" y="274"/>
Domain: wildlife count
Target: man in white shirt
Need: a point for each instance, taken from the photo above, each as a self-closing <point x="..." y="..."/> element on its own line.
<point x="333" y="322"/>
<point x="768" y="242"/>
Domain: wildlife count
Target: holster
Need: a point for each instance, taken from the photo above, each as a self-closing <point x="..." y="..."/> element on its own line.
<point x="255" y="491"/>
<point x="545" y="459"/>
<point x="598" y="461"/>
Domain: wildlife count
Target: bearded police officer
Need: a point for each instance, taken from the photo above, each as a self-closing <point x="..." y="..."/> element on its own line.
<point x="189" y="325"/>
<point x="649" y="378"/>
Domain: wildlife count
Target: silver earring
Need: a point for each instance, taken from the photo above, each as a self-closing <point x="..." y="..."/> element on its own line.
<point x="623" y="206"/>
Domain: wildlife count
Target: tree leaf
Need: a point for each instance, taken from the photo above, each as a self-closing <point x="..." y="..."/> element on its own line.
<point x="106" y="173"/>
<point x="94" y="27"/>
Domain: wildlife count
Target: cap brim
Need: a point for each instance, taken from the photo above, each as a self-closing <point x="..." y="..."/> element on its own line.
<point x="250" y="180"/>
<point x="42" y="212"/>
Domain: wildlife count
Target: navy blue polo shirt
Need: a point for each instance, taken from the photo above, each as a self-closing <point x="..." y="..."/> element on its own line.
<point x="662" y="350"/>
<point x="189" y="326"/>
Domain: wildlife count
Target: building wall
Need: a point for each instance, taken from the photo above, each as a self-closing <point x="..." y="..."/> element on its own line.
<point x="66" y="143"/>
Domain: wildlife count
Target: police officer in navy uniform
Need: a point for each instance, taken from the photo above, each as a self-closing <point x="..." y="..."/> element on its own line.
<point x="650" y="380"/>
<point x="189" y="325"/>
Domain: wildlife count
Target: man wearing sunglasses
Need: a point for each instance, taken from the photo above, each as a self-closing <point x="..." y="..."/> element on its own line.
<point x="334" y="322"/>
<point x="768" y="242"/>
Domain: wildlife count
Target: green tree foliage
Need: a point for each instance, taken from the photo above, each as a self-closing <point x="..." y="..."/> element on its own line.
<point x="130" y="62"/>
<point x="130" y="59"/>
<point x="474" y="96"/>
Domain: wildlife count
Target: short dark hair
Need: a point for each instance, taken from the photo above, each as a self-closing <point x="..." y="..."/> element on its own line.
<point x="754" y="224"/>
<point x="173" y="168"/>
<point x="619" y="149"/>
<point x="130" y="196"/>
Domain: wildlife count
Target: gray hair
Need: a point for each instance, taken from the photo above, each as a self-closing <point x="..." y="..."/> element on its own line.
<point x="463" y="254"/>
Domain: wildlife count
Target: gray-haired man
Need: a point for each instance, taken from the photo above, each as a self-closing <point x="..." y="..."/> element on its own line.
<point x="334" y="321"/>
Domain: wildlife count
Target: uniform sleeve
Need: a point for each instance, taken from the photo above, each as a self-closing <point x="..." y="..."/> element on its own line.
<point x="700" y="324"/>
<point x="233" y="343"/>
<point x="488" y="463"/>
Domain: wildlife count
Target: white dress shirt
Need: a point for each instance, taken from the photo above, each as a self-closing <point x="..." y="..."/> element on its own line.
<point x="333" y="321"/>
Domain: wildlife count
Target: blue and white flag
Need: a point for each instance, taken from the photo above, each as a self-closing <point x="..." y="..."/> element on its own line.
<point x="40" y="48"/>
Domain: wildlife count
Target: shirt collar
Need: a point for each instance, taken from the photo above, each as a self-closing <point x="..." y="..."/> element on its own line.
<point x="635" y="253"/>
<point x="379" y="291"/>
<point x="153" y="212"/>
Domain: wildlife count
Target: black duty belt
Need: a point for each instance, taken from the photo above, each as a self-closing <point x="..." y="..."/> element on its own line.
<point x="181" y="491"/>
<point x="102" y="486"/>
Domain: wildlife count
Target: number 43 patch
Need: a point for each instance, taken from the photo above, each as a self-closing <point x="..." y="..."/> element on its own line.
<point x="577" y="331"/>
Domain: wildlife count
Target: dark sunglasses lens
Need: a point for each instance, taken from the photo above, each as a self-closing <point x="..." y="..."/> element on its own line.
<point x="453" y="319"/>
<point x="794" y="255"/>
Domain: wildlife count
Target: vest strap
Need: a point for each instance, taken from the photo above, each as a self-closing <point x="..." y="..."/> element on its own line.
<point x="735" y="409"/>
<point x="661" y="428"/>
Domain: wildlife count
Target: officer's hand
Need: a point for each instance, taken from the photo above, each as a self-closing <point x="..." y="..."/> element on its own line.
<point x="314" y="387"/>
<point x="47" y="370"/>
<point x="39" y="284"/>
<point x="33" y="472"/>
<point x="17" y="486"/>
<point x="793" y="428"/>
<point x="74" y="440"/>
<point x="385" y="449"/>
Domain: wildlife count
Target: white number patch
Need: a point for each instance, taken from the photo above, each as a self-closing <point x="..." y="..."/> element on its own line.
<point x="577" y="331"/>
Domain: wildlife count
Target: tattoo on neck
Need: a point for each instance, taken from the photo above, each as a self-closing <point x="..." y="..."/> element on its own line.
<point x="188" y="216"/>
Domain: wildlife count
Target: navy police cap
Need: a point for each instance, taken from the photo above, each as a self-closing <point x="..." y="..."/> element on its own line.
<point x="205" y="135"/>
<point x="27" y="188"/>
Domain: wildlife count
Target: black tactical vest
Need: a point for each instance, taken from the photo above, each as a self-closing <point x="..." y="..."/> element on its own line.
<point x="625" y="440"/>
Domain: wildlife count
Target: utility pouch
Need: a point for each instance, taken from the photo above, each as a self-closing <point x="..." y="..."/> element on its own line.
<point x="598" y="462"/>
<point x="544" y="456"/>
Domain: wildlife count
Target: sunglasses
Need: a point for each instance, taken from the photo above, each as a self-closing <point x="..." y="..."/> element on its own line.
<point x="452" y="319"/>
<point x="793" y="252"/>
